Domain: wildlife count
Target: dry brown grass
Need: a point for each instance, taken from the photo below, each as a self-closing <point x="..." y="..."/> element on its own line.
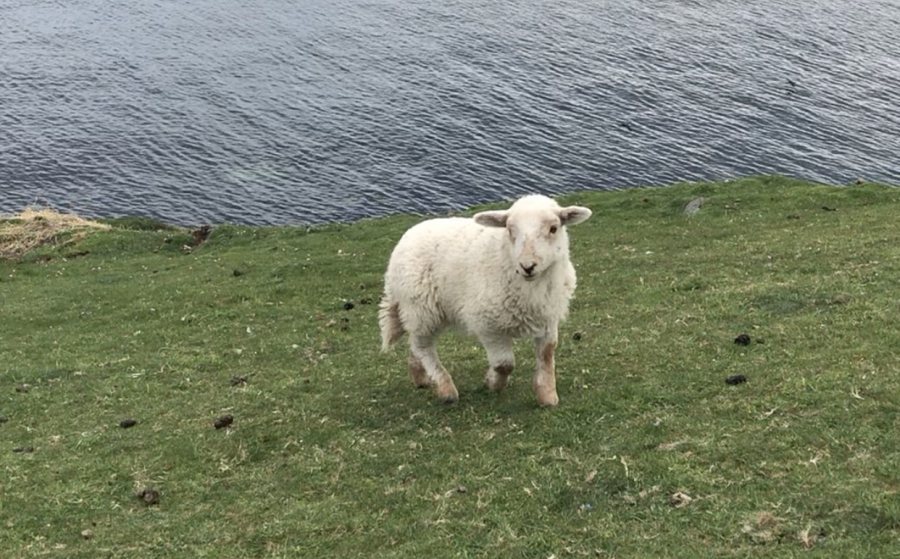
<point x="32" y="228"/>
<point x="764" y="527"/>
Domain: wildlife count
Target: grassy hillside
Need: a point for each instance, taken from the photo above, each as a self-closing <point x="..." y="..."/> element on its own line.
<point x="333" y="453"/>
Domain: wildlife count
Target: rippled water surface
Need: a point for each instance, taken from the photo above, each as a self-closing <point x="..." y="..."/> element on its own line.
<point x="286" y="111"/>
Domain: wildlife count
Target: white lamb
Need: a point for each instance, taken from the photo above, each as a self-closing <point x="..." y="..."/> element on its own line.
<point x="499" y="275"/>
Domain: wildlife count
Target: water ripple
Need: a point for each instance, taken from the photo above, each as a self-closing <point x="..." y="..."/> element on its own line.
<point x="282" y="112"/>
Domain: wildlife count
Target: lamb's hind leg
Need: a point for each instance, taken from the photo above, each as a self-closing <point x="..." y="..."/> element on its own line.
<point x="425" y="357"/>
<point x="544" y="383"/>
<point x="501" y="362"/>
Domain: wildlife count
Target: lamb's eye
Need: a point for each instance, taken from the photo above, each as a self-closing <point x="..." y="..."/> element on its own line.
<point x="552" y="229"/>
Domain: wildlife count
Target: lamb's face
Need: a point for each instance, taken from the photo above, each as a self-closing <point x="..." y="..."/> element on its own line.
<point x="536" y="232"/>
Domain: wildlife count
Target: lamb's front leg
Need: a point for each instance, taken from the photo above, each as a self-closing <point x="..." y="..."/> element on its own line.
<point x="501" y="360"/>
<point x="545" y="373"/>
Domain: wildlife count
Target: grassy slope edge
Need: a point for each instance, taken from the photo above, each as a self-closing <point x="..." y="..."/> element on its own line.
<point x="333" y="453"/>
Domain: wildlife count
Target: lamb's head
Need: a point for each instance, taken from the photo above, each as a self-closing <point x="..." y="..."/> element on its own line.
<point x="536" y="232"/>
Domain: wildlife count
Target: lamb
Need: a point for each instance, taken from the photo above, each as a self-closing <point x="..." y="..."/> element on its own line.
<point x="499" y="275"/>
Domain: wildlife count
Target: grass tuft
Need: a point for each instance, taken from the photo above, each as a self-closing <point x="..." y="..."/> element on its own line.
<point x="33" y="228"/>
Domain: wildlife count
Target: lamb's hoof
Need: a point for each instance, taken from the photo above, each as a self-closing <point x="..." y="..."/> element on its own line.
<point x="547" y="399"/>
<point x="495" y="382"/>
<point x="494" y="386"/>
<point x="497" y="376"/>
<point x="447" y="393"/>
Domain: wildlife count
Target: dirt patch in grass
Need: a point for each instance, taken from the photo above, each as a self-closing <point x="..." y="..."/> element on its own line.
<point x="764" y="527"/>
<point x="33" y="228"/>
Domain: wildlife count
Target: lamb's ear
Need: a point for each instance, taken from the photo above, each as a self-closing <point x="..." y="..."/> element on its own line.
<point x="492" y="219"/>
<point x="574" y="215"/>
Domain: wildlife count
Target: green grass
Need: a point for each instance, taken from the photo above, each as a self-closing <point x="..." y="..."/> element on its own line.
<point x="333" y="453"/>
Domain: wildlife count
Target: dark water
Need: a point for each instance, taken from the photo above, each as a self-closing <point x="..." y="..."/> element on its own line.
<point x="306" y="111"/>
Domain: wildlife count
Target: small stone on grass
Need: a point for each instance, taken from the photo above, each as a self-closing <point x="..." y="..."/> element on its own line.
<point x="149" y="496"/>
<point x="692" y="207"/>
<point x="127" y="423"/>
<point x="734" y="380"/>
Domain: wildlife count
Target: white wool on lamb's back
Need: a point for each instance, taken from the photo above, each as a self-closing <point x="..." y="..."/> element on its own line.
<point x="498" y="276"/>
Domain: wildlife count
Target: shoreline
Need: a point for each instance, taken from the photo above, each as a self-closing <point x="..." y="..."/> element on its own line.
<point x="139" y="220"/>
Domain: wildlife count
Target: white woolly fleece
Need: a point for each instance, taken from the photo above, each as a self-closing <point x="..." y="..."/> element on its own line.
<point x="453" y="271"/>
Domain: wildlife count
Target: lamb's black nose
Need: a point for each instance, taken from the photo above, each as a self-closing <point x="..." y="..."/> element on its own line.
<point x="528" y="269"/>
